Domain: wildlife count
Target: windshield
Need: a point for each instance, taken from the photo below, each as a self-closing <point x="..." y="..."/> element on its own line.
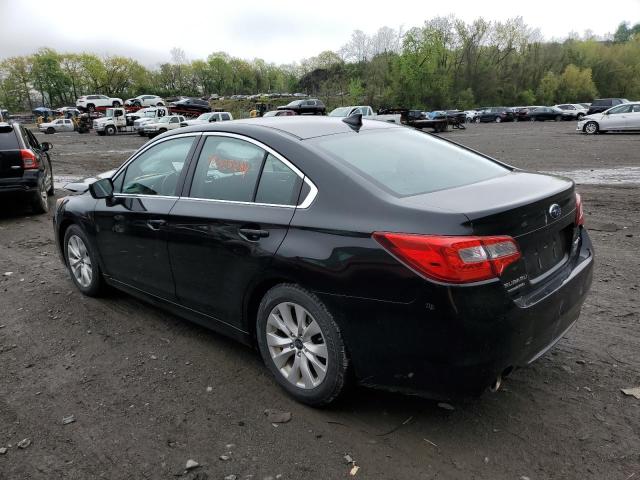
<point x="164" y="120"/>
<point x="205" y="116"/>
<point x="406" y="162"/>
<point x="270" y="114"/>
<point x="148" y="113"/>
<point x="340" y="112"/>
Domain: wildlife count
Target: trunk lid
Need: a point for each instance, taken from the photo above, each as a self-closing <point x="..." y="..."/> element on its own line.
<point x="537" y="210"/>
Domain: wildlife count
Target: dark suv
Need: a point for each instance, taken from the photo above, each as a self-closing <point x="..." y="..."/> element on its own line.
<point x="25" y="166"/>
<point x="310" y="106"/>
<point x="602" y="104"/>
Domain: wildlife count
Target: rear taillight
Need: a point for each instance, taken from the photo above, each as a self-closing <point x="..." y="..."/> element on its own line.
<point x="579" y="211"/>
<point x="29" y="160"/>
<point x="451" y="259"/>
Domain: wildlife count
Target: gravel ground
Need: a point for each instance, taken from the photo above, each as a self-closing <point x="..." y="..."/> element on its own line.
<point x="149" y="391"/>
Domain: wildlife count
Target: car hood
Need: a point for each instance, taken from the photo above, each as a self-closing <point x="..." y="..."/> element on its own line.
<point x="82" y="186"/>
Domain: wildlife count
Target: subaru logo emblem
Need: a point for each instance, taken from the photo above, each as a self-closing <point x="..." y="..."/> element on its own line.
<point x="555" y="211"/>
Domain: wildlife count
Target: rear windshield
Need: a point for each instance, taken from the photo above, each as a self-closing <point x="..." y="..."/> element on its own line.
<point x="406" y="162"/>
<point x="8" y="139"/>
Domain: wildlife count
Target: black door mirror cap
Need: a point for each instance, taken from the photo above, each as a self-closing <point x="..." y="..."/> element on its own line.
<point x="103" y="188"/>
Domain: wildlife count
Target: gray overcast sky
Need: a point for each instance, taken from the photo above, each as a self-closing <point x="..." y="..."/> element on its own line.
<point x="280" y="31"/>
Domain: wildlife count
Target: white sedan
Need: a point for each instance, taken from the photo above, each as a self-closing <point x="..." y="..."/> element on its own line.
<point x="145" y="101"/>
<point x="620" y="117"/>
<point x="59" y="125"/>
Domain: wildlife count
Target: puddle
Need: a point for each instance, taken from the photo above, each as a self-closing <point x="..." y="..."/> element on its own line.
<point x="59" y="181"/>
<point x="98" y="152"/>
<point x="602" y="176"/>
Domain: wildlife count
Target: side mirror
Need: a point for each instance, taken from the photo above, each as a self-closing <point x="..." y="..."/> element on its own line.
<point x="103" y="188"/>
<point x="46" y="146"/>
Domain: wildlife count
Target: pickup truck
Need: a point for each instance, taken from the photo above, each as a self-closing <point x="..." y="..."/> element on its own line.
<point x="146" y="115"/>
<point x="113" y="122"/>
<point x="366" y="111"/>
<point x="169" y="122"/>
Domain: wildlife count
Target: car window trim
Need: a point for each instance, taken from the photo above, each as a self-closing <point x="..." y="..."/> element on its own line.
<point x="308" y="200"/>
<point x="187" y="162"/>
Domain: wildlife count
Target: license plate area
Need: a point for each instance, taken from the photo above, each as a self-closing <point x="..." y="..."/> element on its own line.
<point x="545" y="250"/>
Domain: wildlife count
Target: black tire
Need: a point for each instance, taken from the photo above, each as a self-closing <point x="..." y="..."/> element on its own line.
<point x="159" y="104"/>
<point x="337" y="374"/>
<point x="97" y="283"/>
<point x="51" y="189"/>
<point x="498" y="120"/>
<point x="477" y="120"/>
<point x="110" y="130"/>
<point x="91" y="107"/>
<point x="40" y="200"/>
<point x="116" y="104"/>
<point x="137" y="103"/>
<point x="50" y="130"/>
<point x="558" y="118"/>
<point x="580" y="115"/>
<point x="591" y="128"/>
<point x="533" y="119"/>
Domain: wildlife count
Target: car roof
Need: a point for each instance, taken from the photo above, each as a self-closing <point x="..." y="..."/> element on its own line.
<point x="299" y="126"/>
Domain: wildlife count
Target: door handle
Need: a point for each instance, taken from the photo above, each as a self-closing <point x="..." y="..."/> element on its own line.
<point x="252" y="234"/>
<point x="155" y="224"/>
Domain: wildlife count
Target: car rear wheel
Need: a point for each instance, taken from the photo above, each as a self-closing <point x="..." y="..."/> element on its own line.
<point x="51" y="189"/>
<point x="498" y="119"/>
<point x="477" y="120"/>
<point x="40" y="201"/>
<point x="116" y="104"/>
<point x="50" y="130"/>
<point x="82" y="262"/>
<point x="301" y="344"/>
<point x="591" y="128"/>
<point x="110" y="130"/>
<point x="558" y="118"/>
<point x="91" y="107"/>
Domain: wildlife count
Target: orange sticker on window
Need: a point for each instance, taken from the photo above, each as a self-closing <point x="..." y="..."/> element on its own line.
<point x="229" y="166"/>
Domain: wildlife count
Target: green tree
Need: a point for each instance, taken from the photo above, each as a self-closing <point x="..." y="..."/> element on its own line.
<point x="548" y="89"/>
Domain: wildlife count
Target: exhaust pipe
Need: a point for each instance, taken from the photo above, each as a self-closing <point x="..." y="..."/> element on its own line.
<point x="495" y="385"/>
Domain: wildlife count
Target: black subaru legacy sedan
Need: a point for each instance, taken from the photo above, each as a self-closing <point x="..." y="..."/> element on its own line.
<point x="343" y="249"/>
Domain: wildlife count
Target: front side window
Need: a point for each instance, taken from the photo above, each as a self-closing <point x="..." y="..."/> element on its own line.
<point x="405" y="162"/>
<point x="156" y="171"/>
<point x="620" y="109"/>
<point x="227" y="169"/>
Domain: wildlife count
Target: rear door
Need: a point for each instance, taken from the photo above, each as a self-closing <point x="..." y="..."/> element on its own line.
<point x="230" y="222"/>
<point x="634" y="118"/>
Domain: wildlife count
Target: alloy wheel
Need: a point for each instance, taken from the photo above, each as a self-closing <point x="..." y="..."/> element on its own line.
<point x="79" y="261"/>
<point x="297" y="345"/>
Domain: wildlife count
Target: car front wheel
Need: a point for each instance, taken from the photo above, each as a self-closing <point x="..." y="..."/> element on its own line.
<point x="301" y="344"/>
<point x="82" y="262"/>
<point x="591" y="128"/>
<point x="498" y="120"/>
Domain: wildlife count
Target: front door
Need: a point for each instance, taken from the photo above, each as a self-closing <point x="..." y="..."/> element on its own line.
<point x="617" y="118"/>
<point x="226" y="229"/>
<point x="131" y="227"/>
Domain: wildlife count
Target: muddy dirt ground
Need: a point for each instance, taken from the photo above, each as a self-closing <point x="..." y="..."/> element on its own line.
<point x="136" y="378"/>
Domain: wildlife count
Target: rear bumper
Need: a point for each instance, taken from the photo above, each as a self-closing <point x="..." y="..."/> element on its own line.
<point x="27" y="183"/>
<point x="456" y="344"/>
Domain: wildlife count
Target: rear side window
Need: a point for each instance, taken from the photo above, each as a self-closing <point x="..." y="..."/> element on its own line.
<point x="8" y="140"/>
<point x="406" y="162"/>
<point x="227" y="169"/>
<point x="601" y="103"/>
<point x="279" y="185"/>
